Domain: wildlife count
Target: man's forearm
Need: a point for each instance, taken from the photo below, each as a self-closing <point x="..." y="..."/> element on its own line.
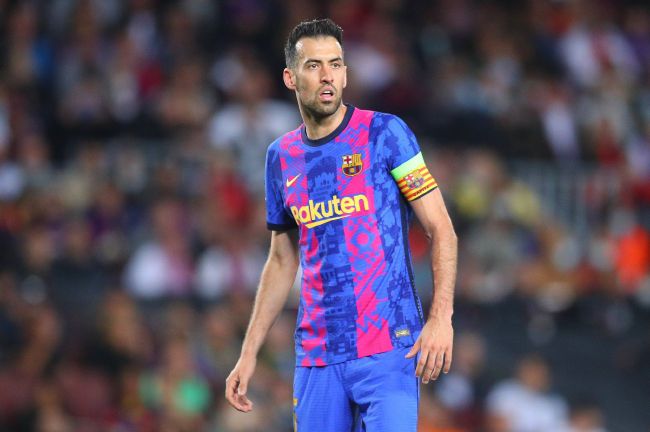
<point x="444" y="258"/>
<point x="275" y="283"/>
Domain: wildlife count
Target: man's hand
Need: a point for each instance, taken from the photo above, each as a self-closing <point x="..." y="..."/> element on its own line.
<point x="237" y="384"/>
<point x="435" y="344"/>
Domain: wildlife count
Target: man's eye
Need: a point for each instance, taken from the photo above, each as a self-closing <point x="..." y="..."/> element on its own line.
<point x="313" y="66"/>
<point x="336" y="65"/>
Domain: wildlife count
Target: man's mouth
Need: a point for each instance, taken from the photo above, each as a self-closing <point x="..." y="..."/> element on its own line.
<point x="326" y="95"/>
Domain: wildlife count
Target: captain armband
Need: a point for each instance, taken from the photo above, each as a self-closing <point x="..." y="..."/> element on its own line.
<point x="413" y="178"/>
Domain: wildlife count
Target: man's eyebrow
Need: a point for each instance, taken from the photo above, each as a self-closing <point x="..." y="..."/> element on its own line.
<point x="311" y="60"/>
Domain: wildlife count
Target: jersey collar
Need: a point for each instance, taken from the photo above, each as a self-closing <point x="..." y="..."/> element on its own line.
<point x="333" y="134"/>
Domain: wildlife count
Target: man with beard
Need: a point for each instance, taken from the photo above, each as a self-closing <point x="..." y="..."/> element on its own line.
<point x="340" y="191"/>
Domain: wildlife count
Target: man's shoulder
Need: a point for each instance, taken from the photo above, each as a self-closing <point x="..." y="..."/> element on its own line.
<point x="378" y="121"/>
<point x="384" y="119"/>
<point x="284" y="141"/>
<point x="383" y="125"/>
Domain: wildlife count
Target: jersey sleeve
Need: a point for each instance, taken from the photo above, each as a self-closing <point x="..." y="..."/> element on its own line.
<point x="404" y="159"/>
<point x="277" y="217"/>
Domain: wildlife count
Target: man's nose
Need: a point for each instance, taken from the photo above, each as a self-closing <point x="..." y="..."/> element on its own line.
<point x="326" y="74"/>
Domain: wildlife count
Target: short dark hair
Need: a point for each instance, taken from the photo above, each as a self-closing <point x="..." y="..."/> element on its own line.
<point x="315" y="28"/>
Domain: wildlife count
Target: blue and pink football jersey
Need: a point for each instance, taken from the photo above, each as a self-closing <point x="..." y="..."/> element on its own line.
<point x="348" y="194"/>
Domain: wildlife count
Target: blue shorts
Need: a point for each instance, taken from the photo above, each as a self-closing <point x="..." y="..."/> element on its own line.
<point x="378" y="393"/>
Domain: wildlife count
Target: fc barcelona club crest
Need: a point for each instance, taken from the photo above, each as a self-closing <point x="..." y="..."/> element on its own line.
<point x="352" y="164"/>
<point x="414" y="180"/>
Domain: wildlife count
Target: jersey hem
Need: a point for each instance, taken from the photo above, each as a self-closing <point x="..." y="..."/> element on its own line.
<point x="280" y="227"/>
<point x="299" y="359"/>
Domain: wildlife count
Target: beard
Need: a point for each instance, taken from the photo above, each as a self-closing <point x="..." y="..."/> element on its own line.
<point x="319" y="110"/>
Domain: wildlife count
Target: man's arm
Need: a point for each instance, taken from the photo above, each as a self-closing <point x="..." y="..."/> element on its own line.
<point x="275" y="283"/>
<point x="436" y="339"/>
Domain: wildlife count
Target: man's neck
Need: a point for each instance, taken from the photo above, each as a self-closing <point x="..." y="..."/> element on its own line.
<point x="318" y="128"/>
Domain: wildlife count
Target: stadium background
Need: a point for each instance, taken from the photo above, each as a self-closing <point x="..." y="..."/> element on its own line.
<point x="132" y="138"/>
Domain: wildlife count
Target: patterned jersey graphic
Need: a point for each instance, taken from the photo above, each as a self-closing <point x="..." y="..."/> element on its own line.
<point x="348" y="199"/>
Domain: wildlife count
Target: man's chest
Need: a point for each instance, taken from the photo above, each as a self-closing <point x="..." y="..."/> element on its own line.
<point x="325" y="185"/>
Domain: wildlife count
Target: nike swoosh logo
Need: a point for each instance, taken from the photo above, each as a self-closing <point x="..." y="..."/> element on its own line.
<point x="292" y="181"/>
<point x="324" y="221"/>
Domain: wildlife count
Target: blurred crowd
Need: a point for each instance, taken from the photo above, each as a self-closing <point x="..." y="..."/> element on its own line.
<point x="132" y="227"/>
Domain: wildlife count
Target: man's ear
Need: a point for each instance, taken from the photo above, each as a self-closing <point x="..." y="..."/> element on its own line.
<point x="345" y="76"/>
<point x="289" y="78"/>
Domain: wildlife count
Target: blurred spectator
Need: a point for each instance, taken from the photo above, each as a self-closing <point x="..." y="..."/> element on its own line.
<point x="185" y="101"/>
<point x="162" y="266"/>
<point x="120" y="341"/>
<point x="51" y="415"/>
<point x="251" y="121"/>
<point x="230" y="265"/>
<point x="632" y="256"/>
<point x="593" y="46"/>
<point x="79" y="181"/>
<point x="30" y="57"/>
<point x="78" y="282"/>
<point x="523" y="403"/>
<point x="37" y="257"/>
<point x="436" y="417"/>
<point x="34" y="157"/>
<point x="110" y="225"/>
<point x="39" y="351"/>
<point x="585" y="418"/>
<point x="12" y="178"/>
<point x="559" y="122"/>
<point x="175" y="389"/>
<point x="215" y="345"/>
